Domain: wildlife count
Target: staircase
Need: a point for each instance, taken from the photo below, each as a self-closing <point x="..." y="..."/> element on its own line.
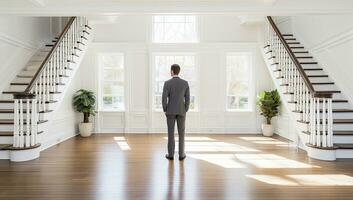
<point x="33" y="96"/>
<point x="323" y="116"/>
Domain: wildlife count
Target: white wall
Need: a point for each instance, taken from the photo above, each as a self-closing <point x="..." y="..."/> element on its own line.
<point x="219" y="34"/>
<point x="20" y="38"/>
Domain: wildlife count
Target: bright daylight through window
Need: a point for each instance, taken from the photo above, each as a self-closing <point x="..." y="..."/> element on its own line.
<point x="238" y="81"/>
<point x="188" y="72"/>
<point x="112" y="82"/>
<point x="174" y="29"/>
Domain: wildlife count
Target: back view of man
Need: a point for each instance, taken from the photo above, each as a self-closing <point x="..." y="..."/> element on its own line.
<point x="175" y="101"/>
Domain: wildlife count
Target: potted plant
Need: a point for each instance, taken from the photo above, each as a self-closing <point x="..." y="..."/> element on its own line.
<point x="84" y="102"/>
<point x="269" y="103"/>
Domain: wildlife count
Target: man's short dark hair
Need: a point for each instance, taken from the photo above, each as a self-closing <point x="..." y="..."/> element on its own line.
<point x="175" y="68"/>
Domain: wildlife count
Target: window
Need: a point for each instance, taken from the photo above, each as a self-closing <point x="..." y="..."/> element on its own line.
<point x="112" y="82"/>
<point x="238" y="81"/>
<point x="174" y="29"/>
<point x="188" y="72"/>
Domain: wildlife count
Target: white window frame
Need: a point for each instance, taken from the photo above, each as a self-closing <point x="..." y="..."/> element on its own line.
<point x="101" y="82"/>
<point x="197" y="27"/>
<point x="153" y="78"/>
<point x="250" y="82"/>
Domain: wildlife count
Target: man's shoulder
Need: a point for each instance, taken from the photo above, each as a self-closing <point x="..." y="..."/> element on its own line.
<point x="184" y="81"/>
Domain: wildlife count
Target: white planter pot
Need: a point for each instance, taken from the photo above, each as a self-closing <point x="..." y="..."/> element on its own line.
<point x="85" y="129"/>
<point x="267" y="130"/>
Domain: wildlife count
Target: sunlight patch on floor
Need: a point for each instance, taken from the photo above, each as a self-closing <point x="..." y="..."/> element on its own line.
<point x="216" y="147"/>
<point x="223" y="160"/>
<point x="193" y="138"/>
<point x="121" y="141"/>
<point x="271" y="161"/>
<point x="258" y="138"/>
<point x="306" y="180"/>
<point x="273" y="180"/>
<point x="271" y="142"/>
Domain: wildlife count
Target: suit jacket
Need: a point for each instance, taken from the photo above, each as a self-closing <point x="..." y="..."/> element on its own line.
<point x="176" y="96"/>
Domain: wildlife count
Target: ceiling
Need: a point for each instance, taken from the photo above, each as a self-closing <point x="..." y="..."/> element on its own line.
<point x="116" y="7"/>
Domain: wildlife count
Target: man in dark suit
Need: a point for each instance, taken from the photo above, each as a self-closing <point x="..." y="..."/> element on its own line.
<point x="175" y="101"/>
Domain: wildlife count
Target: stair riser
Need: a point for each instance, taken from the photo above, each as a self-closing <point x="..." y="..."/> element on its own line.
<point x="344" y="153"/>
<point x="33" y="66"/>
<point x="334" y="106"/>
<point x="300" y="54"/>
<point x="20" y="88"/>
<point x="49" y="106"/>
<point x="295" y="45"/>
<point x="32" y="72"/>
<point x="10" y="127"/>
<point x="317" y="87"/>
<point x="6" y="140"/>
<point x="28" y="80"/>
<point x="313" y="80"/>
<point x="336" y="127"/>
<point x="290" y="97"/>
<point x="319" y="79"/>
<point x="342" y="139"/>
<point x="306" y="60"/>
<point x="42" y="116"/>
<point x="27" y="73"/>
<point x="335" y="115"/>
<point x="278" y="73"/>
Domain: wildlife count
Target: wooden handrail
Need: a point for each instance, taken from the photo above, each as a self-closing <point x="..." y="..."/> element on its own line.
<point x="50" y="54"/>
<point x="297" y="64"/>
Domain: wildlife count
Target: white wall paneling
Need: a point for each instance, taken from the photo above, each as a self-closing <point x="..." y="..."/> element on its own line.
<point x="134" y="41"/>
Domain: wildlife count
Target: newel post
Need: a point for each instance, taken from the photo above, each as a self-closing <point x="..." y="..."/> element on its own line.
<point x="25" y="120"/>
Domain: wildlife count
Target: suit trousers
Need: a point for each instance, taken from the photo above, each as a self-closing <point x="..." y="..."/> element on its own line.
<point x="180" y="119"/>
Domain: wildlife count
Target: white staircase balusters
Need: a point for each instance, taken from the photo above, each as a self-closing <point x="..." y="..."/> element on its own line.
<point x="315" y="107"/>
<point x="33" y="100"/>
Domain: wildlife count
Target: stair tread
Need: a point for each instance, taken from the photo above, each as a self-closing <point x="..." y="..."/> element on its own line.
<point x="18" y="83"/>
<point x="333" y="110"/>
<point x="328" y="91"/>
<point x="7" y="101"/>
<point x="335" y="121"/>
<point x="12" y="101"/>
<point x="344" y="146"/>
<point x="11" y="121"/>
<point x="13" y="92"/>
<point x="335" y="132"/>
<point x="317" y="76"/>
<point x="30" y="76"/>
<point x="12" y="111"/>
<point x="333" y="101"/>
<point x="308" y="63"/>
<point x="308" y="69"/>
<point x="10" y="133"/>
<point x="304" y="57"/>
<point x="300" y="51"/>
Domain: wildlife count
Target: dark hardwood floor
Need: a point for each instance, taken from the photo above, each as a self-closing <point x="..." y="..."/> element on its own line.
<point x="217" y="167"/>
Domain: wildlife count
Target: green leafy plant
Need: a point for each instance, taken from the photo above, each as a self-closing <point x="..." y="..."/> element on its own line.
<point x="84" y="102"/>
<point x="269" y="103"/>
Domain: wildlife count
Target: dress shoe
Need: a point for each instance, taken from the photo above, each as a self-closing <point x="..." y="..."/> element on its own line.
<point x="182" y="158"/>
<point x="168" y="157"/>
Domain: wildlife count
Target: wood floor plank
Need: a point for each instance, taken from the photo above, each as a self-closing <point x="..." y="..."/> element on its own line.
<point x="112" y="166"/>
